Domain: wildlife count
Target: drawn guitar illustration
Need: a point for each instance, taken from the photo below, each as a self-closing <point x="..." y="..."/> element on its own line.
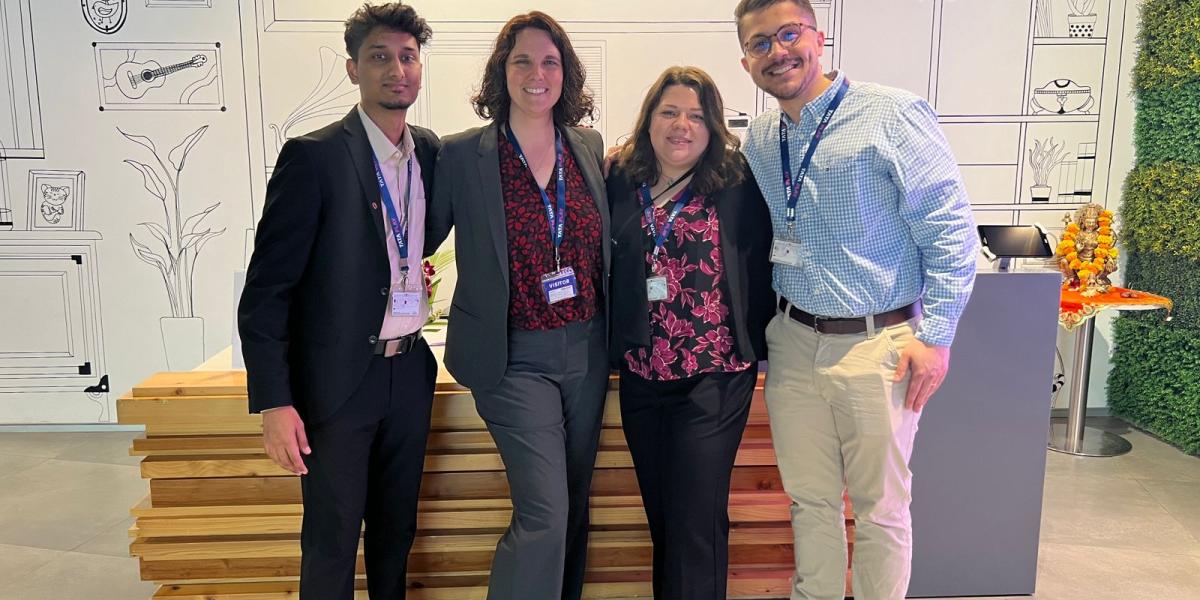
<point x="134" y="79"/>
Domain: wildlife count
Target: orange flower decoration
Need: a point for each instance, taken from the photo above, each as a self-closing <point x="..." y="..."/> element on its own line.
<point x="1072" y="228"/>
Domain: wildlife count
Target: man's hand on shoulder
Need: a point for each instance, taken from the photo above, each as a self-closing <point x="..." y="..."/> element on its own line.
<point x="928" y="366"/>
<point x="284" y="438"/>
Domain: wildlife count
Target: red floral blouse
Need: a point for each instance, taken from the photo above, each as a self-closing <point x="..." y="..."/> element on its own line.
<point x="689" y="331"/>
<point x="531" y="249"/>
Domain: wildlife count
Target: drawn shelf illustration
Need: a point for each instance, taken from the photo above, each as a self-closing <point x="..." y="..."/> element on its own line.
<point x="159" y="76"/>
<point x="1081" y="22"/>
<point x="174" y="247"/>
<point x="105" y="16"/>
<point x="52" y="347"/>
<point x="21" y="127"/>
<point x="1043" y="157"/>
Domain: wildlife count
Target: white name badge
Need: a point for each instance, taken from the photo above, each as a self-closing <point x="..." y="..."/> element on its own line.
<point x="656" y="288"/>
<point x="560" y="285"/>
<point x="784" y="252"/>
<point x="406" y="304"/>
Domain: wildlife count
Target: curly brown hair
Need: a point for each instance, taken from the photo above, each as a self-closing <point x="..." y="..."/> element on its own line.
<point x="721" y="164"/>
<point x="492" y="101"/>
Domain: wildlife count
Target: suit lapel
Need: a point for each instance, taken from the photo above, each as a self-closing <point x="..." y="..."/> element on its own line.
<point x="360" y="154"/>
<point x="727" y="215"/>
<point x="490" y="194"/>
<point x="589" y="164"/>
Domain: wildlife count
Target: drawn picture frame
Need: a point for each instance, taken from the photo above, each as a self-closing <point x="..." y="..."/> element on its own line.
<point x="55" y="200"/>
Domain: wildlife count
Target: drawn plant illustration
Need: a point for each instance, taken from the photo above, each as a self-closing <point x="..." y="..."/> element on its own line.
<point x="177" y="240"/>
<point x="1043" y="157"/>
<point x="330" y="98"/>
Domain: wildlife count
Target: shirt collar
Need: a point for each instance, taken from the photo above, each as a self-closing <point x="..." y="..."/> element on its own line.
<point x="816" y="107"/>
<point x="380" y="144"/>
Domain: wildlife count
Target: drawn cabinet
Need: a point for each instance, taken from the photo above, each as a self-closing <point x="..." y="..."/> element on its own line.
<point x="52" y="366"/>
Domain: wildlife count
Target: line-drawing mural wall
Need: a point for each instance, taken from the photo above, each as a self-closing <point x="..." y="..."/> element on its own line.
<point x="1030" y="94"/>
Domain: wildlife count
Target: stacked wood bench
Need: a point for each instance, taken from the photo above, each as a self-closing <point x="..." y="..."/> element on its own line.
<point x="222" y="521"/>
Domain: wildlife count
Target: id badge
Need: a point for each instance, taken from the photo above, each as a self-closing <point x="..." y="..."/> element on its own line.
<point x="784" y="252"/>
<point x="406" y="304"/>
<point x="560" y="285"/>
<point x="656" y="288"/>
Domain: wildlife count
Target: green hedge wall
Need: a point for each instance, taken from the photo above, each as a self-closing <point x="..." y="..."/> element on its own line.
<point x="1155" y="378"/>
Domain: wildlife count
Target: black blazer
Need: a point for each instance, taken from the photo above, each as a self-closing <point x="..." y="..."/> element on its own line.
<point x="317" y="285"/>
<point x="469" y="199"/>
<point x="745" y="248"/>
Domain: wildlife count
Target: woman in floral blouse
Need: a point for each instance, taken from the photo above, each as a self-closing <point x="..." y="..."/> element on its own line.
<point x="691" y="298"/>
<point x="525" y="196"/>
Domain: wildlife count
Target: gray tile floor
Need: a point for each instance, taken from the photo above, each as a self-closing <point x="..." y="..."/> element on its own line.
<point x="1125" y="528"/>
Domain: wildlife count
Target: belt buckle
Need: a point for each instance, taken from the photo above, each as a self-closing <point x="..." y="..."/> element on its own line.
<point x="819" y="324"/>
<point x="391" y="348"/>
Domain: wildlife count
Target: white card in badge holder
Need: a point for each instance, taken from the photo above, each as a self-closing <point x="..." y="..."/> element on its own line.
<point x="406" y="304"/>
<point x="560" y="285"/>
<point x="656" y="288"/>
<point x="784" y="252"/>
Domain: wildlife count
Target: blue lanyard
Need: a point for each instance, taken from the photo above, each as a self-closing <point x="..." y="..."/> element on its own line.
<point x="556" y="218"/>
<point x="793" y="191"/>
<point x="660" y="237"/>
<point x="399" y="229"/>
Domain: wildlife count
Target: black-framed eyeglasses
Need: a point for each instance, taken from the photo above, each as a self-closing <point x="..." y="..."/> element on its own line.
<point x="788" y="36"/>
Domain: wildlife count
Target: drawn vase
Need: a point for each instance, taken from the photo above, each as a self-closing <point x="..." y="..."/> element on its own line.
<point x="183" y="342"/>
<point x="1081" y="26"/>
<point x="1040" y="193"/>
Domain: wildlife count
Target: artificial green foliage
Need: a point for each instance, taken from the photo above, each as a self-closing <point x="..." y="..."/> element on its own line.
<point x="1160" y="213"/>
<point x="1170" y="44"/>
<point x="1173" y="276"/>
<point x="1155" y="378"/>
<point x="1168" y="124"/>
<point x="1154" y="382"/>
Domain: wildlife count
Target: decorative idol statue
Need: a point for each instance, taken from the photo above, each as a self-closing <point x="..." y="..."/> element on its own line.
<point x="1087" y="254"/>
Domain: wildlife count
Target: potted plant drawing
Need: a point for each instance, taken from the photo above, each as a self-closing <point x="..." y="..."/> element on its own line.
<point x="173" y="246"/>
<point x="1081" y="21"/>
<point x="1043" y="157"/>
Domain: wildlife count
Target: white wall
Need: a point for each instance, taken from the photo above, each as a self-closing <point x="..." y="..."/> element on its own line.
<point x="278" y="73"/>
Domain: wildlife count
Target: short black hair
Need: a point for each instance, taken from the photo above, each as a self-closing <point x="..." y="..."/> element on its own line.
<point x="393" y="15"/>
<point x="746" y="7"/>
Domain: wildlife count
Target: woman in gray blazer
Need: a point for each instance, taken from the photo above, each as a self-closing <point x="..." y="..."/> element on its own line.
<point x="527" y="331"/>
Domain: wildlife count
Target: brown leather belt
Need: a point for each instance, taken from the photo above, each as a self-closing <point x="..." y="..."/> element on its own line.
<point x="397" y="346"/>
<point x="849" y="325"/>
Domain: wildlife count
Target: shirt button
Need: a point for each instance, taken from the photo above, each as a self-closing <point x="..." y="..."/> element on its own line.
<point x="374" y="206"/>
<point x="382" y="291"/>
<point x="373" y="339"/>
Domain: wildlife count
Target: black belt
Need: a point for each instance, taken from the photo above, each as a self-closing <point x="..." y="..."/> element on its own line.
<point x="849" y="325"/>
<point x="397" y="346"/>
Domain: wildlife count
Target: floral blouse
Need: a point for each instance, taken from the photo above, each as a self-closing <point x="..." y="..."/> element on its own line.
<point x="689" y="330"/>
<point x="531" y="250"/>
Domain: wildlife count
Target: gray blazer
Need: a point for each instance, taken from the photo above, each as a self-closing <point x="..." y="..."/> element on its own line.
<point x="469" y="199"/>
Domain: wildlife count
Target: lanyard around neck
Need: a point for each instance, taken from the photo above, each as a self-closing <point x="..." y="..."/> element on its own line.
<point x="557" y="217"/>
<point x="792" y="190"/>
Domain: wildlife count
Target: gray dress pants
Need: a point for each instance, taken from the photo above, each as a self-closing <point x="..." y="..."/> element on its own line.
<point x="545" y="418"/>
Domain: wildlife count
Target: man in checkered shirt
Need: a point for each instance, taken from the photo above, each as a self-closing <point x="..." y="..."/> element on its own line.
<point x="873" y="266"/>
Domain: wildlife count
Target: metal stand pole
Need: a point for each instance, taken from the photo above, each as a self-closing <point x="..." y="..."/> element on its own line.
<point x="1073" y="437"/>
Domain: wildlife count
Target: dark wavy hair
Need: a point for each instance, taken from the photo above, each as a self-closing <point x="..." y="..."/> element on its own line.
<point x="721" y="164"/>
<point x="492" y="101"/>
<point x="394" y="15"/>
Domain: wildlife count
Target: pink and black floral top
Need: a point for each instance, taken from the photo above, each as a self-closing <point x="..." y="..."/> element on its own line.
<point x="689" y="330"/>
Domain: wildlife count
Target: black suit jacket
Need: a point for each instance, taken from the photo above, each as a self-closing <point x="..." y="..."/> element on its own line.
<point x="745" y="248"/>
<point x="470" y="200"/>
<point x="317" y="285"/>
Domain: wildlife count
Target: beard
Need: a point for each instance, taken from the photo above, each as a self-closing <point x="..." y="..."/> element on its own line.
<point x="399" y="105"/>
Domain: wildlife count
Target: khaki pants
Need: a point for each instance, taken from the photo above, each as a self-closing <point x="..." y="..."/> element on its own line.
<point x="839" y="422"/>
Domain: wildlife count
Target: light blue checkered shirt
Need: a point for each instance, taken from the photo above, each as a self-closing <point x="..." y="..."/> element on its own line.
<point x="883" y="217"/>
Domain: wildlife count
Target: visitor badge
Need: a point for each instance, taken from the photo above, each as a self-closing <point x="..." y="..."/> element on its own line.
<point x="560" y="285"/>
<point x="656" y="288"/>
<point x="784" y="252"/>
<point x="406" y="304"/>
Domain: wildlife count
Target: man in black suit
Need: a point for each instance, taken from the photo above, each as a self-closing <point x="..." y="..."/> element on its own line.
<point x="331" y="315"/>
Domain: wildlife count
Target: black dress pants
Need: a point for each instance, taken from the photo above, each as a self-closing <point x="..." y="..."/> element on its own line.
<point x="683" y="436"/>
<point x="366" y="464"/>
